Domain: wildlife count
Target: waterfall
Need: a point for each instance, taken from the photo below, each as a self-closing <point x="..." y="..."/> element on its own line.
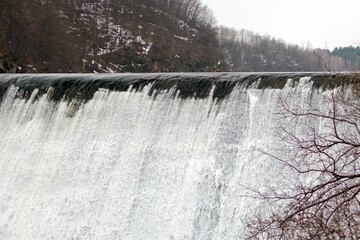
<point x="140" y="156"/>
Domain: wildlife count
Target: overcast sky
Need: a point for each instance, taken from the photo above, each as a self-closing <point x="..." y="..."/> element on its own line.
<point x="328" y="23"/>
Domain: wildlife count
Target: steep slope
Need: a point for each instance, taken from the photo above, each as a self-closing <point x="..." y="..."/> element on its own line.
<point x="110" y="36"/>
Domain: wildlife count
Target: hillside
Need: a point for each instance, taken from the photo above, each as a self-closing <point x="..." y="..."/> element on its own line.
<point x="246" y="51"/>
<point x="145" y="36"/>
<point x="108" y="36"/>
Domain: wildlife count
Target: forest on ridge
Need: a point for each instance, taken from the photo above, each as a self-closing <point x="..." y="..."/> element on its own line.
<point x="144" y="36"/>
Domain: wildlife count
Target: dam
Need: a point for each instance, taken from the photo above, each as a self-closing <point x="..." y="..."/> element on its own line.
<point x="143" y="156"/>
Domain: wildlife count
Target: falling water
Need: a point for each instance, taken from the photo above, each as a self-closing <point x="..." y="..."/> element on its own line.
<point x="156" y="156"/>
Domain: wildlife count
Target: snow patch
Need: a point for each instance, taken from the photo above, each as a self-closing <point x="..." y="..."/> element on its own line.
<point x="147" y="49"/>
<point x="182" y="38"/>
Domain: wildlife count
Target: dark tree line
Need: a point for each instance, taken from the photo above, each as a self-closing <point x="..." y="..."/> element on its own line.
<point x="351" y="54"/>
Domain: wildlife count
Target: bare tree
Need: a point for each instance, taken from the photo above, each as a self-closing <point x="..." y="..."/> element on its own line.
<point x="323" y="201"/>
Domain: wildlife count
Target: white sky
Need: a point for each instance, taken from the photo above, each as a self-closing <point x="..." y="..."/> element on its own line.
<point x="334" y="23"/>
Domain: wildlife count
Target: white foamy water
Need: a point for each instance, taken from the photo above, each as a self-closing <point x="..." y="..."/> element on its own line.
<point x="128" y="166"/>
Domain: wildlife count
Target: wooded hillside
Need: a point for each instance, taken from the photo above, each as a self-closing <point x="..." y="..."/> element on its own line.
<point x="108" y="36"/>
<point x="246" y="51"/>
<point x="144" y="36"/>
